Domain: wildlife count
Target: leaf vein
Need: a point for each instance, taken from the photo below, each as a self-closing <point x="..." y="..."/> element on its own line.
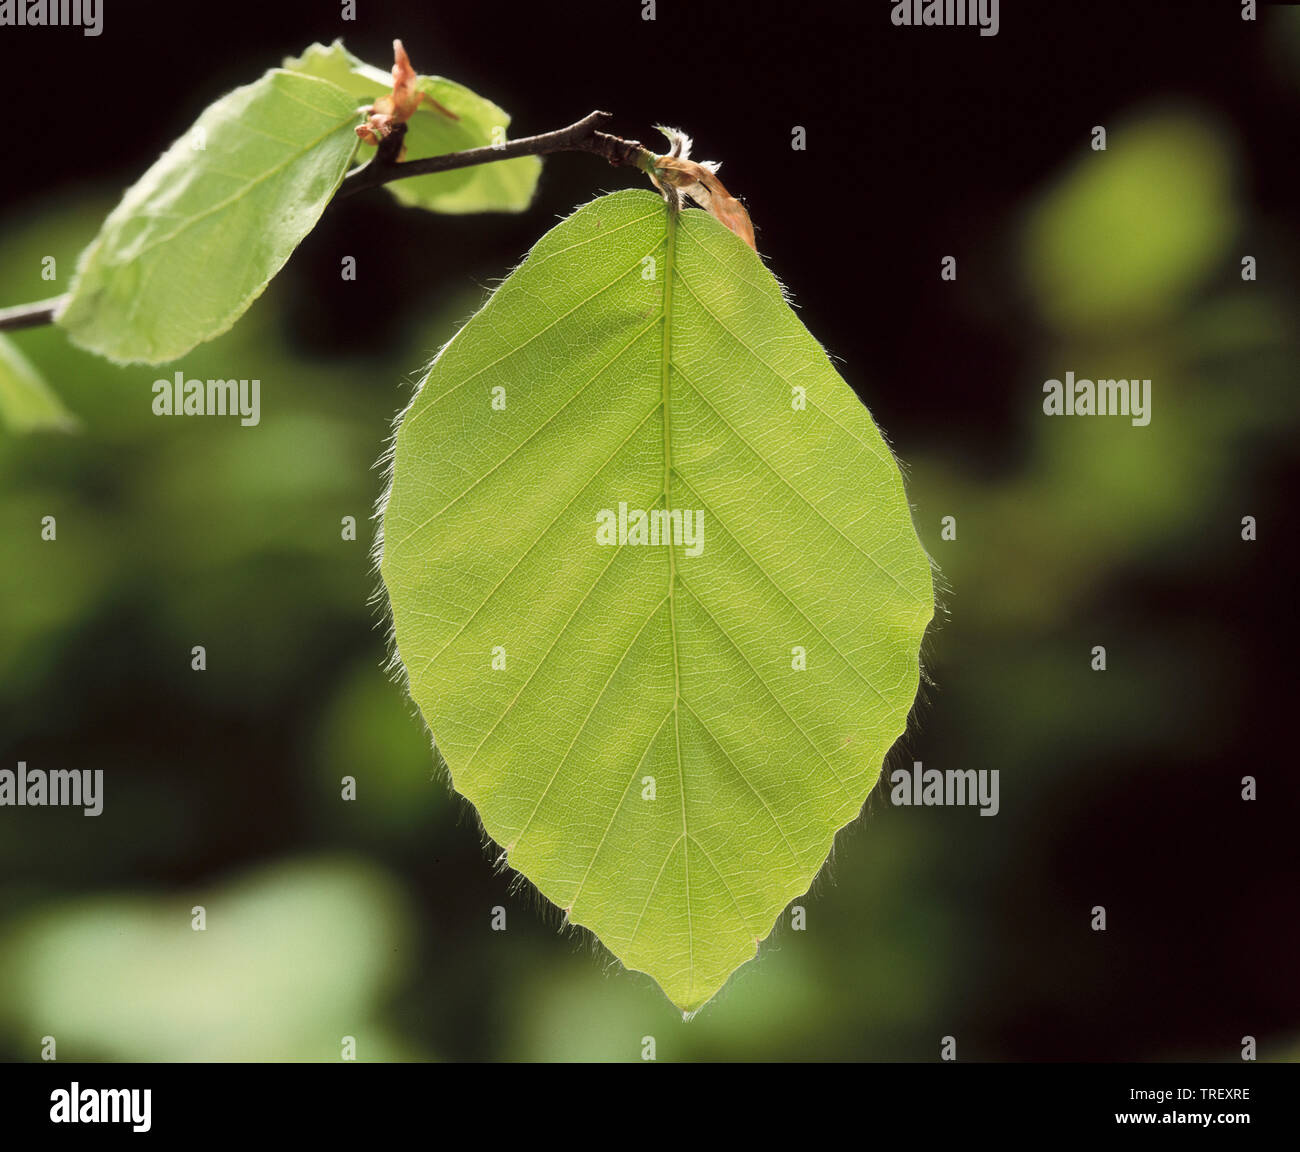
<point x="771" y="468"/>
<point x="581" y="727"/>
<point x="745" y="780"/>
<point x="789" y="600"/>
<point x="766" y="687"/>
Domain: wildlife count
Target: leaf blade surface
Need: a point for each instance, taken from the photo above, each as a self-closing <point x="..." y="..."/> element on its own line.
<point x="664" y="385"/>
<point x="200" y="235"/>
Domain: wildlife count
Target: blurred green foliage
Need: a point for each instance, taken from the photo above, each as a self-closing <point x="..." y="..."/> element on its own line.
<point x="26" y="402"/>
<point x="1127" y="232"/>
<point x="129" y="978"/>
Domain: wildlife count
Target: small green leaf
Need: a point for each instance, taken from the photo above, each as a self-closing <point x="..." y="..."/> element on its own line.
<point x="506" y="186"/>
<point x="665" y="739"/>
<point x="26" y="402"/>
<point x="199" y="236"/>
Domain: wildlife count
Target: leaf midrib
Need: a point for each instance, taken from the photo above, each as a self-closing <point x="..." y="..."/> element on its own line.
<point x="666" y="403"/>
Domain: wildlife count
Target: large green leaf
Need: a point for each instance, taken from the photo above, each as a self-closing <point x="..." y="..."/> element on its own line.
<point x="507" y="186"/>
<point x="26" y="402"/>
<point x="652" y="360"/>
<point x="198" y="237"/>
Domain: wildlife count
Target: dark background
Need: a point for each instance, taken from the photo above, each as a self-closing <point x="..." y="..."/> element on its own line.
<point x="1120" y="789"/>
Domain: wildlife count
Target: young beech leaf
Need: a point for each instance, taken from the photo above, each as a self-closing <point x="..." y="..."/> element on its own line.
<point x="395" y="107"/>
<point x="663" y="728"/>
<point x="26" y="402"/>
<point x="198" y="237"/>
<point x="449" y="118"/>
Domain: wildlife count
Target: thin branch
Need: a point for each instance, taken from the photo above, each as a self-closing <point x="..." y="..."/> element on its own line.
<point x="582" y="136"/>
<point x="30" y="315"/>
<point x="384" y="167"/>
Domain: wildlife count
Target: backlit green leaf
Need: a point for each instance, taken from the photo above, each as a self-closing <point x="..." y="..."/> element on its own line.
<point x="649" y="360"/>
<point x="507" y="186"/>
<point x="26" y="402"/>
<point x="198" y="237"/>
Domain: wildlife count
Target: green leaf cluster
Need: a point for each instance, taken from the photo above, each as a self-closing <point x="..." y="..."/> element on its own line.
<point x="200" y="235"/>
<point x="469" y="121"/>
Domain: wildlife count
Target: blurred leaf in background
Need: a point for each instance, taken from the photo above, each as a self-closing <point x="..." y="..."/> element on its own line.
<point x="292" y="959"/>
<point x="26" y="402"/>
<point x="1127" y="233"/>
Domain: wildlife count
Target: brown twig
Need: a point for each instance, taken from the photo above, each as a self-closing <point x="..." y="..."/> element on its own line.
<point x="582" y="136"/>
<point x="30" y="315"/>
